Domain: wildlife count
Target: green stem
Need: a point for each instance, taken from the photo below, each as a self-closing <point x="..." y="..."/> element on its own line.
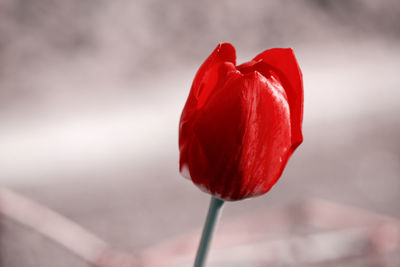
<point x="215" y="206"/>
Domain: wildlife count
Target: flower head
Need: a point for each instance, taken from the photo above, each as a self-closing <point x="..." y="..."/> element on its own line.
<point x="240" y="124"/>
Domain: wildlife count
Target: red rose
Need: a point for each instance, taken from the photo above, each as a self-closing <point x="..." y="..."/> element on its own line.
<point x="240" y="124"/>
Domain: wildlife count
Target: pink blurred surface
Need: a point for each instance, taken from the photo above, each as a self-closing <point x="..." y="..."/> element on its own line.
<point x="309" y="233"/>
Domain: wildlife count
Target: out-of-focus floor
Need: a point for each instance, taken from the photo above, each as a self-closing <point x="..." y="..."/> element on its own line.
<point x="110" y="163"/>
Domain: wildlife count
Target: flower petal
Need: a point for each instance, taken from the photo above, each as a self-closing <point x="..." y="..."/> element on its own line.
<point x="223" y="53"/>
<point x="217" y="133"/>
<point x="267" y="138"/>
<point x="284" y="64"/>
<point x="212" y="74"/>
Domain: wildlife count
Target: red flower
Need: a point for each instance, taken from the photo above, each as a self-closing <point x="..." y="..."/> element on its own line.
<point x="240" y="124"/>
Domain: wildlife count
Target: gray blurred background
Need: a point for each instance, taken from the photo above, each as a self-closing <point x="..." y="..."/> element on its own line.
<point x="91" y="93"/>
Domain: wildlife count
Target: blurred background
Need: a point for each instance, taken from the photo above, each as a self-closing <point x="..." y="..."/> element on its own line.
<point x="91" y="93"/>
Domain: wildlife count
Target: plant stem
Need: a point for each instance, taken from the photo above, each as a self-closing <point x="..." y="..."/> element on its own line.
<point x="213" y="210"/>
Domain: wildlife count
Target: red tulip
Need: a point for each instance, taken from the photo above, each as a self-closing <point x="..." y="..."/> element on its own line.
<point x="240" y="124"/>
